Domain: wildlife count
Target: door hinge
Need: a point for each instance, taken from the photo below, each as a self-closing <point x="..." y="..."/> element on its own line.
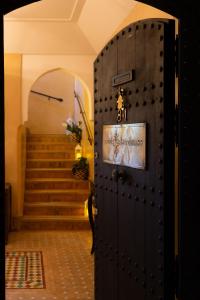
<point x="176" y="276"/>
<point x="176" y="125"/>
<point x="177" y="56"/>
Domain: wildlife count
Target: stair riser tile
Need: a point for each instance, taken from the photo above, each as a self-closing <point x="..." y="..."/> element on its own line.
<point x="56" y="197"/>
<point x="49" y="139"/>
<point x="48" y="174"/>
<point x="57" y="211"/>
<point x="56" y="185"/>
<point x="54" y="225"/>
<point x="50" y="155"/>
<point x="49" y="164"/>
<point x="50" y="147"/>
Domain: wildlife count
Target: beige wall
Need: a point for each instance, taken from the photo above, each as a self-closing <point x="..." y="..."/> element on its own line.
<point x="32" y="30"/>
<point x="47" y="116"/>
<point x="100" y="18"/>
<point x="13" y="117"/>
<point x="142" y="11"/>
<point x="34" y="66"/>
<point x="45" y="38"/>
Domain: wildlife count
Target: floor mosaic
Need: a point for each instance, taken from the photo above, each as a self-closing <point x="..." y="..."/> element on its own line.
<point x="68" y="264"/>
<point x="24" y="270"/>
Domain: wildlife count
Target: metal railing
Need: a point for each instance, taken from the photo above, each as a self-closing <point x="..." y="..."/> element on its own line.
<point x="48" y="96"/>
<point x="85" y="120"/>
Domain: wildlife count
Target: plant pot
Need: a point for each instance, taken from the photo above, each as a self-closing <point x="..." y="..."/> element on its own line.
<point x="74" y="138"/>
<point x="80" y="168"/>
<point x="81" y="174"/>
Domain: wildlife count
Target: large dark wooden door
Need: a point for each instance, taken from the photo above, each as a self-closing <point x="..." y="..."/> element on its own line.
<point x="134" y="225"/>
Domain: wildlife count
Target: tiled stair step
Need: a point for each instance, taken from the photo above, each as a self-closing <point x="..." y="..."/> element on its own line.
<point x="49" y="173"/>
<point x="50" y="154"/>
<point x="54" y="222"/>
<point x="45" y="138"/>
<point x="76" y="195"/>
<point x="54" y="208"/>
<point x="49" y="163"/>
<point x="50" y="146"/>
<point x="55" y="183"/>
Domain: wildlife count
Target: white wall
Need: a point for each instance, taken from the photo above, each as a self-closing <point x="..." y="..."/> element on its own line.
<point x="33" y="66"/>
<point x="46" y="115"/>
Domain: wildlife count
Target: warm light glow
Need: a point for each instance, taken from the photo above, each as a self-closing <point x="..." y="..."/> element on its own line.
<point x="78" y="151"/>
<point x="78" y="155"/>
<point x="86" y="208"/>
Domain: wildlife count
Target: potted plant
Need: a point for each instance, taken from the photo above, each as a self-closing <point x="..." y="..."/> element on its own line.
<point x="73" y="129"/>
<point x="80" y="168"/>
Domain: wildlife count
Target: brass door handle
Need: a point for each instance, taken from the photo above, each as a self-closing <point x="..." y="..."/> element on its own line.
<point x="121" y="175"/>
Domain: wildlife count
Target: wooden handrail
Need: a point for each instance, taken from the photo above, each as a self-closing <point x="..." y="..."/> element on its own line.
<point x="85" y="120"/>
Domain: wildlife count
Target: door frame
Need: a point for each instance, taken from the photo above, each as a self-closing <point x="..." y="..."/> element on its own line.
<point x="189" y="160"/>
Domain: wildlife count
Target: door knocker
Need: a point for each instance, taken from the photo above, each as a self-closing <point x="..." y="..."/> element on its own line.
<point x="121" y="107"/>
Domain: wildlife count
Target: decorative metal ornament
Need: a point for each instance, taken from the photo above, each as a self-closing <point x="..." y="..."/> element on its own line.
<point x="125" y="145"/>
<point x="121" y="107"/>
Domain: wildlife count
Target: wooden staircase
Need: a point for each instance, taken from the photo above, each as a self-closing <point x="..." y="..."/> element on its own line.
<point x="54" y="198"/>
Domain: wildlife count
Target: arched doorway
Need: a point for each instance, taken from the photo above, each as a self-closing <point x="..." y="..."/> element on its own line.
<point x="51" y="102"/>
<point x="188" y="159"/>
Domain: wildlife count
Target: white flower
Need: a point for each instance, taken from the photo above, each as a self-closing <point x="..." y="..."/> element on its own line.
<point x="67" y="132"/>
<point x="69" y="121"/>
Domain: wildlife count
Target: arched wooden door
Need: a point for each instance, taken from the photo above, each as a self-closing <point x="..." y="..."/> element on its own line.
<point x="134" y="163"/>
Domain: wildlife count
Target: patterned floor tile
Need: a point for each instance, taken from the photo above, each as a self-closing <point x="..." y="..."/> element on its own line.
<point x="68" y="264"/>
<point x="24" y="269"/>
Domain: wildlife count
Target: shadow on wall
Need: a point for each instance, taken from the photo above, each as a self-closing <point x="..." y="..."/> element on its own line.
<point x="45" y="114"/>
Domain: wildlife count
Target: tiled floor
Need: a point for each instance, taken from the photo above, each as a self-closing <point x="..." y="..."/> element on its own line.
<point x="68" y="264"/>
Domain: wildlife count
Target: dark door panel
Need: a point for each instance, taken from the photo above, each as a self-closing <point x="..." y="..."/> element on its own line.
<point x="135" y="206"/>
<point x="106" y="188"/>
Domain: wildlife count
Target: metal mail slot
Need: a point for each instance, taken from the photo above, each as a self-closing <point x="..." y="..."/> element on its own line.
<point x="125" y="145"/>
<point x="123" y="78"/>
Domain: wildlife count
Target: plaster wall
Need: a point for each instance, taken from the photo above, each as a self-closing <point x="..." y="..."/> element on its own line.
<point x="34" y="66"/>
<point x="13" y="119"/>
<point x="142" y="11"/>
<point x="42" y="37"/>
<point x="45" y="115"/>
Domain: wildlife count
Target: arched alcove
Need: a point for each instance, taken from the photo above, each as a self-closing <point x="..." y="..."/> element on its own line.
<point x="46" y="114"/>
<point x="51" y="101"/>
